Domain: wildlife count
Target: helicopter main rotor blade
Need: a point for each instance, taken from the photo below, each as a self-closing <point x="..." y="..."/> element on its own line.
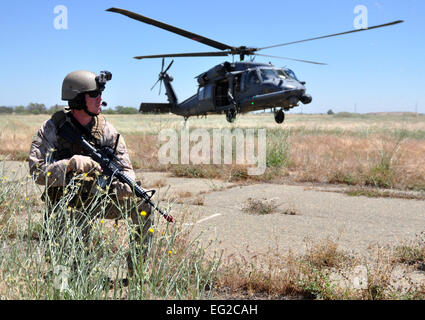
<point x="162" y="25"/>
<point x="192" y="54"/>
<point x="307" y="61"/>
<point x="335" y="34"/>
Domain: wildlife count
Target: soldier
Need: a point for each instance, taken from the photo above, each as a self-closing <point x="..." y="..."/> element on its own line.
<point x="53" y="161"/>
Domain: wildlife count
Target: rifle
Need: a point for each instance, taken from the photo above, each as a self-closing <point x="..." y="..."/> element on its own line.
<point x="111" y="166"/>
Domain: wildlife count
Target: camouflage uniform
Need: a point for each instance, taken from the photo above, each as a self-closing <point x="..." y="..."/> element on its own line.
<point x="48" y="159"/>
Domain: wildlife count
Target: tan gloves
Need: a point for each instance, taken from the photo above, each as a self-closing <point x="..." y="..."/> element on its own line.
<point x="82" y="164"/>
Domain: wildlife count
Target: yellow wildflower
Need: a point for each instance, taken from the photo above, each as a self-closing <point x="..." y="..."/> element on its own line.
<point x="49" y="173"/>
<point x="143" y="213"/>
<point x="102" y="221"/>
<point x="150" y="230"/>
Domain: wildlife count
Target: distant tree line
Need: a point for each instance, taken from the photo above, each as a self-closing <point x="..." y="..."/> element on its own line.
<point x="39" y="108"/>
<point x="120" y="110"/>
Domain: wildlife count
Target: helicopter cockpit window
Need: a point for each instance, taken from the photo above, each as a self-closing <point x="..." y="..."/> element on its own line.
<point x="281" y="74"/>
<point x="291" y="74"/>
<point x="268" y="74"/>
<point x="252" y="77"/>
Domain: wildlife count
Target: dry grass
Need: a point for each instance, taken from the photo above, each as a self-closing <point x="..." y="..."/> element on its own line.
<point x="195" y="201"/>
<point x="412" y="253"/>
<point x="274" y="276"/>
<point x="290" y="209"/>
<point x="323" y="272"/>
<point x="325" y="254"/>
<point x="376" y="193"/>
<point x="158" y="183"/>
<point x="374" y="161"/>
<point x="184" y="194"/>
<point x="30" y="253"/>
<point x="358" y="151"/>
<point x="260" y="206"/>
<point x="365" y="150"/>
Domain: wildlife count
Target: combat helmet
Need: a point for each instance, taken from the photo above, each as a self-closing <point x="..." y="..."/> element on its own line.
<point x="79" y="82"/>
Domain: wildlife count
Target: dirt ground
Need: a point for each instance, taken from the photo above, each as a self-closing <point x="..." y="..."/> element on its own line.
<point x="304" y="213"/>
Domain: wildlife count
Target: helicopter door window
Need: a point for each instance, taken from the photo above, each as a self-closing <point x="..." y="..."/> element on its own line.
<point x="201" y="93"/>
<point x="237" y="84"/>
<point x="208" y="92"/>
<point x="253" y="77"/>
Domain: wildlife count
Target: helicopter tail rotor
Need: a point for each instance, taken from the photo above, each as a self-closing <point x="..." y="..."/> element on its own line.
<point x="162" y="75"/>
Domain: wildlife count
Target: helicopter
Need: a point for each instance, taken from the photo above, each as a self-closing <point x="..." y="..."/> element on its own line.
<point x="232" y="88"/>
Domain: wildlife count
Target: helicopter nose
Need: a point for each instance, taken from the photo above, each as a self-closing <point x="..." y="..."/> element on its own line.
<point x="306" y="98"/>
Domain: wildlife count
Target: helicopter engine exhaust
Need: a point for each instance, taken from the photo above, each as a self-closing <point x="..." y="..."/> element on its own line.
<point x="218" y="71"/>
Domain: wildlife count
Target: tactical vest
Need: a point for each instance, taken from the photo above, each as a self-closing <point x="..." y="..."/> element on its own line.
<point x="93" y="134"/>
<point x="65" y="150"/>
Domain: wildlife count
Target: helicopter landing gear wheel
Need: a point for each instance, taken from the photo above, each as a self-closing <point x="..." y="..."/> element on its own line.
<point x="231" y="115"/>
<point x="279" y="116"/>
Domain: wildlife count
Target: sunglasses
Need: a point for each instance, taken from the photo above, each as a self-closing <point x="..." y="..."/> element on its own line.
<point x="94" y="94"/>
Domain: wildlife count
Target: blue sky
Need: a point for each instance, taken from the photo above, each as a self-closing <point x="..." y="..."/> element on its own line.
<point x="372" y="71"/>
